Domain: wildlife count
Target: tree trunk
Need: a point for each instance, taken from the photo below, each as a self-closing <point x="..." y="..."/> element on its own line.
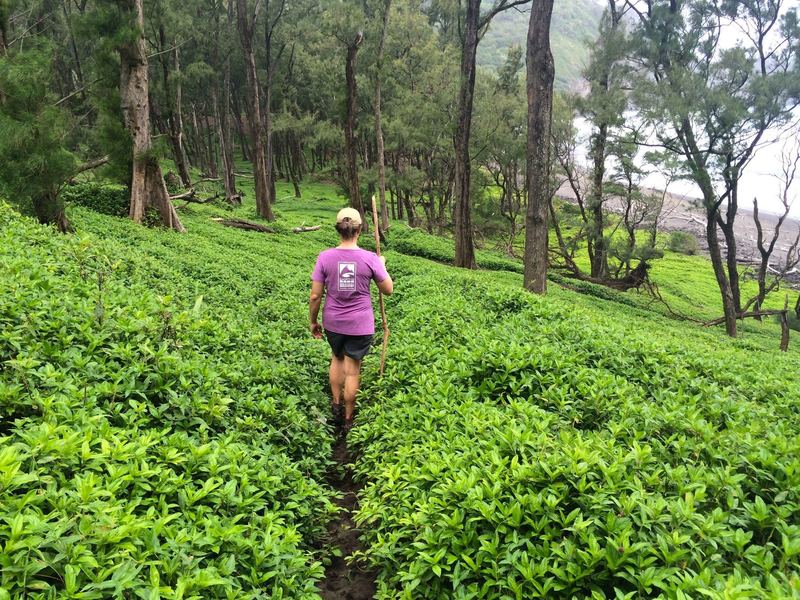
<point x="246" y="29"/>
<point x="147" y="183"/>
<point x="733" y="266"/>
<point x="66" y="7"/>
<point x="462" y="211"/>
<point x="225" y="146"/>
<point x="269" y="159"/>
<point x="350" y="126"/>
<point x="212" y="148"/>
<point x="226" y="139"/>
<point x="728" y="306"/>
<point x="176" y="122"/>
<point x="539" y="85"/>
<point x="197" y="142"/>
<point x="49" y="210"/>
<point x="174" y="114"/>
<point x="3" y="29"/>
<point x="378" y="125"/>
<point x="599" y="261"/>
<point x="240" y="128"/>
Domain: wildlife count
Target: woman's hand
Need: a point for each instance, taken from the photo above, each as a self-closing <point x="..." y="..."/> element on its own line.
<point x="383" y="260"/>
<point x="316" y="330"/>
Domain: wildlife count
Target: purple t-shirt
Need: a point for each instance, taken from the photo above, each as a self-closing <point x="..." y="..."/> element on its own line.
<point x="347" y="274"/>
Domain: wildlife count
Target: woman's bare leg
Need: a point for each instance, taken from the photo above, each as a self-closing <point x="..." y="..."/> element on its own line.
<point x="352" y="373"/>
<point x="337" y="378"/>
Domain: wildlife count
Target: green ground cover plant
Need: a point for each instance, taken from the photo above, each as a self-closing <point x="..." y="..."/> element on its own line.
<point x="154" y="443"/>
<point x="520" y="447"/>
<point x="163" y="424"/>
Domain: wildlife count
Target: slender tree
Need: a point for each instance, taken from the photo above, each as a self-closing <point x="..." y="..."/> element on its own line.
<point x="223" y="111"/>
<point x="539" y="85"/>
<point x="474" y="25"/>
<point x="351" y="148"/>
<point x="271" y="58"/>
<point x="247" y="25"/>
<point x="387" y="5"/>
<point x="604" y="107"/>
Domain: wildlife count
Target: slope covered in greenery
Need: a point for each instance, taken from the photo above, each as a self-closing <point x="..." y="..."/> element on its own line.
<point x="574" y="24"/>
<point x="165" y="430"/>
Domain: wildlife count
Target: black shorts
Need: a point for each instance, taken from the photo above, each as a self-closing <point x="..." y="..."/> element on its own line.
<point x="354" y="346"/>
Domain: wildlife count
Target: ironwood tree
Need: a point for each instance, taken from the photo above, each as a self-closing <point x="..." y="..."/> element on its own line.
<point x="539" y="87"/>
<point x="713" y="105"/>
<point x="247" y="21"/>
<point x="147" y="186"/>
<point x="475" y="23"/>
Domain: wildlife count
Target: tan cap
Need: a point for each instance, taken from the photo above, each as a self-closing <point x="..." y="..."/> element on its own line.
<point x="348" y="213"/>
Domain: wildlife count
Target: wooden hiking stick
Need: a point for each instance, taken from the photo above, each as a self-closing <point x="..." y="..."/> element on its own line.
<point x="380" y="295"/>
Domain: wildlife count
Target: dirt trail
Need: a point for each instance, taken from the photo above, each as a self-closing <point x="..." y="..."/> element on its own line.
<point x="345" y="581"/>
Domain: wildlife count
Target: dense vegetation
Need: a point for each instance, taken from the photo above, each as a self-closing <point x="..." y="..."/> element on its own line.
<point x="165" y="433"/>
<point x="164" y="421"/>
<point x="153" y="443"/>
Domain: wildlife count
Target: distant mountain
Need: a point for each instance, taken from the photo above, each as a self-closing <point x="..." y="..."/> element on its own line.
<point x="574" y="22"/>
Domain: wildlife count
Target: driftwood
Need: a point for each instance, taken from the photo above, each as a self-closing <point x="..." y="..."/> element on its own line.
<point x="304" y="229"/>
<point x="242" y="224"/>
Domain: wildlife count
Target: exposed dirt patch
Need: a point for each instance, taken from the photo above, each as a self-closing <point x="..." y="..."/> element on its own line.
<point x="345" y="580"/>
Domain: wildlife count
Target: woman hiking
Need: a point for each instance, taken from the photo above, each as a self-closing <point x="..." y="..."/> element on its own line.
<point x="343" y="274"/>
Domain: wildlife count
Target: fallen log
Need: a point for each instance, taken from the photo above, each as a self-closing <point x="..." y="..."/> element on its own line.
<point x="304" y="229"/>
<point x="190" y="196"/>
<point x="242" y="224"/>
<point x="745" y="315"/>
<point x="784" y="320"/>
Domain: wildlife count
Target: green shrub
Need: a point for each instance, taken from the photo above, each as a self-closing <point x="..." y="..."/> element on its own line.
<point x="683" y="242"/>
<point x="107" y="199"/>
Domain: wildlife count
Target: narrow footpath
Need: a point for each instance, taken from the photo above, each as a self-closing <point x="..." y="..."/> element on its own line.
<point x="345" y="581"/>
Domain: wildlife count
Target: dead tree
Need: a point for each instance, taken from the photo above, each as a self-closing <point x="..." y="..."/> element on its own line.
<point x="789" y="169"/>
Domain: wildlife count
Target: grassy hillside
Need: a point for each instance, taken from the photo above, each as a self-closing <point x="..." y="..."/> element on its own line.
<point x="165" y="432"/>
<point x="574" y="23"/>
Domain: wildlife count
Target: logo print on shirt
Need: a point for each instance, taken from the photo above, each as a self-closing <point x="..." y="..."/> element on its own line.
<point x="347" y="276"/>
